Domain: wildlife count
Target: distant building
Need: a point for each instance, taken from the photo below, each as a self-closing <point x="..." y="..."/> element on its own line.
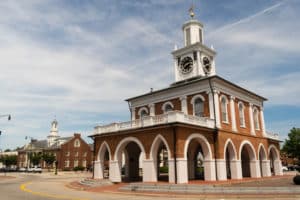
<point x="70" y="152"/>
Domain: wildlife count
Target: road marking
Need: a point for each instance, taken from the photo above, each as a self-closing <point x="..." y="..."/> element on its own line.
<point x="23" y="188"/>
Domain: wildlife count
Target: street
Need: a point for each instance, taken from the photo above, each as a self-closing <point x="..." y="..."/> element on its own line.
<point x="47" y="186"/>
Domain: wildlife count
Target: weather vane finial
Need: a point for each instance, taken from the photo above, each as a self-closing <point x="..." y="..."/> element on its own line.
<point x="191" y="11"/>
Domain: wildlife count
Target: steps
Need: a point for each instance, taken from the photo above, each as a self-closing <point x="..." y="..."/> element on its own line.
<point x="207" y="189"/>
<point x="95" y="182"/>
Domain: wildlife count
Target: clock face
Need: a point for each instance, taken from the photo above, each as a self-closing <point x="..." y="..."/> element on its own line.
<point x="186" y="65"/>
<point x="206" y="64"/>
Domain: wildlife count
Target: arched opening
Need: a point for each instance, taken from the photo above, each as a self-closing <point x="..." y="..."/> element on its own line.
<point x="104" y="158"/>
<point x="247" y="155"/>
<point x="131" y="170"/>
<point x="129" y="154"/>
<point x="262" y="158"/>
<point x="273" y="157"/>
<point x="198" y="152"/>
<point x="230" y="157"/>
<point x="198" y="107"/>
<point x="160" y="155"/>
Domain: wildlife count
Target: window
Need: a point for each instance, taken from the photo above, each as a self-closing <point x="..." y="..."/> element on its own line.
<point x="143" y="112"/>
<point x="256" y="120"/>
<point x="198" y="107"/>
<point x="241" y="114"/>
<point x="84" y="163"/>
<point x="167" y="107"/>
<point x="67" y="163"/>
<point x="77" y="143"/>
<point x="75" y="163"/>
<point x="76" y="154"/>
<point x="85" y="153"/>
<point x="224" y="109"/>
<point x="68" y="153"/>
<point x="200" y="35"/>
<point x="188" y="36"/>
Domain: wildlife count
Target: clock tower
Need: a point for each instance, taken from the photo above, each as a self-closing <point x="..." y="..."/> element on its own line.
<point x="194" y="59"/>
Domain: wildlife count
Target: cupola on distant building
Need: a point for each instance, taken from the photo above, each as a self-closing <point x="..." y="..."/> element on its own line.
<point x="200" y="127"/>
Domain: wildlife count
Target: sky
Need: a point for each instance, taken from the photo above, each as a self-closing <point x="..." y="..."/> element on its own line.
<point x="77" y="60"/>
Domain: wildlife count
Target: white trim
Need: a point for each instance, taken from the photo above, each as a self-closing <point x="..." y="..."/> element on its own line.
<point x="240" y="103"/>
<point x="163" y="107"/>
<point x="251" y="146"/>
<point x="226" y="108"/>
<point x="234" y="149"/>
<point x="204" y="147"/>
<point x="124" y="142"/>
<point x="157" y="138"/>
<point x="103" y="145"/>
<point x="261" y="146"/>
<point x="272" y="146"/>
<point x="196" y="97"/>
<point x="193" y="102"/>
<point x="256" y="118"/>
<point x="141" y="109"/>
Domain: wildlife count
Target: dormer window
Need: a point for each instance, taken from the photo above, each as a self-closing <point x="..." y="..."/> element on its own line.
<point x="224" y="111"/>
<point x="167" y="107"/>
<point x="241" y="114"/>
<point x="198" y="105"/>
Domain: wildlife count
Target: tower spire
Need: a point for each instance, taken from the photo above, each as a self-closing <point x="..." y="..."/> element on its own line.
<point x="191" y="11"/>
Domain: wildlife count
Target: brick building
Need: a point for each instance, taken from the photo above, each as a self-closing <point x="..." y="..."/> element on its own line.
<point x="70" y="151"/>
<point x="211" y="128"/>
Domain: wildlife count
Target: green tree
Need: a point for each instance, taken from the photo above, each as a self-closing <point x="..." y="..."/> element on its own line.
<point x="9" y="160"/>
<point x="292" y="144"/>
<point x="35" y="158"/>
<point x="49" y="158"/>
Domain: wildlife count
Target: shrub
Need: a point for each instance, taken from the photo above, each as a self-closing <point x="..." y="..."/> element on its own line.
<point x="297" y="179"/>
<point x="164" y="169"/>
<point x="78" y="168"/>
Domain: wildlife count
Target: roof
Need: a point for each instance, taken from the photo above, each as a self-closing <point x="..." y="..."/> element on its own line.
<point x="195" y="80"/>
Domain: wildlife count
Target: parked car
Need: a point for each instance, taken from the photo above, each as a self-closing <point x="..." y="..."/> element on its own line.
<point x="284" y="168"/>
<point x="35" y="169"/>
<point x="22" y="169"/>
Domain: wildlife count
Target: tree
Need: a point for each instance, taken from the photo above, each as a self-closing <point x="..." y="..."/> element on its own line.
<point x="35" y="158"/>
<point x="49" y="158"/>
<point x="9" y="160"/>
<point x="292" y="144"/>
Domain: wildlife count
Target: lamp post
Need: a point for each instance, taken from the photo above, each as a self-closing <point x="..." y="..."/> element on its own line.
<point x="8" y="118"/>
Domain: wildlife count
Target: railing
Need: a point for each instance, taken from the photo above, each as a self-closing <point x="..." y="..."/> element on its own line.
<point x="170" y="117"/>
<point x="274" y="136"/>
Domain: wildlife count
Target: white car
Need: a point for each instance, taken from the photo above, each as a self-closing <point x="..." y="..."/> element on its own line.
<point x="284" y="168"/>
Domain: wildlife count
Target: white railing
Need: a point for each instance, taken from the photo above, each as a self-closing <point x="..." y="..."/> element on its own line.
<point x="274" y="136"/>
<point x="170" y="117"/>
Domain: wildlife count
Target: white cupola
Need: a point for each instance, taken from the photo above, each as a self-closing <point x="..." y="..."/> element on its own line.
<point x="53" y="133"/>
<point x="194" y="59"/>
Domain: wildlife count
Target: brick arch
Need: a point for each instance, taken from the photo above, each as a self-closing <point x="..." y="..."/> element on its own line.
<point x="102" y="149"/>
<point x="262" y="148"/>
<point x="227" y="143"/>
<point x="124" y="142"/>
<point x="273" y="148"/>
<point x="204" y="145"/>
<point x="155" y="143"/>
<point x="247" y="142"/>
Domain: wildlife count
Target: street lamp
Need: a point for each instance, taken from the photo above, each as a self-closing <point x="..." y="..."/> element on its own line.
<point x="8" y="118"/>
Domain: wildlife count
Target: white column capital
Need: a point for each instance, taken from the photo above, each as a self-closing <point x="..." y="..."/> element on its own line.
<point x="151" y="105"/>
<point x="232" y="97"/>
<point x="182" y="98"/>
